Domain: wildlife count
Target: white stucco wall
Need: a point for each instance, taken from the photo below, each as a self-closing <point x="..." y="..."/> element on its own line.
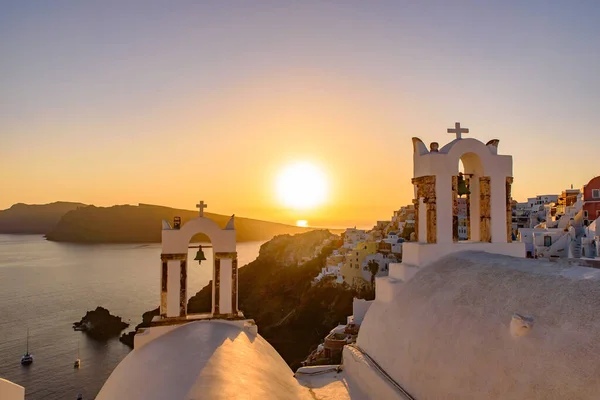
<point x="177" y="240"/>
<point x="11" y="391"/>
<point x="361" y="374"/>
<point x="447" y="331"/>
<point x="173" y="283"/>
<point x="226" y="287"/>
<point x="359" y="309"/>
<point x="424" y="254"/>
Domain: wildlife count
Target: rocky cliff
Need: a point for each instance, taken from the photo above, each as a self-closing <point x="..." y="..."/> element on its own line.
<point x="142" y="224"/>
<point x="127" y="338"/>
<point x="34" y="218"/>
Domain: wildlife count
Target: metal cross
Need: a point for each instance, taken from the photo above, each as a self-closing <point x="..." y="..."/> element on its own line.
<point x="458" y="130"/>
<point x="201" y="206"/>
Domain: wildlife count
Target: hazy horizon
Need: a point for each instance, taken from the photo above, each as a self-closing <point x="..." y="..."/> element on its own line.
<point x="110" y="102"/>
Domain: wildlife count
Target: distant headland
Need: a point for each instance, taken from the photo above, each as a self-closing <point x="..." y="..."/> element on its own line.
<point x="80" y="223"/>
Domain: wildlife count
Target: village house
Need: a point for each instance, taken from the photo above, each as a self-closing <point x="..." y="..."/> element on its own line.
<point x="591" y="200"/>
<point x="352" y="236"/>
<point x="351" y="269"/>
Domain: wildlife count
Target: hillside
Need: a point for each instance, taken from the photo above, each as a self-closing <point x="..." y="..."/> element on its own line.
<point x="291" y="314"/>
<point x="34" y="218"/>
<point x="142" y="224"/>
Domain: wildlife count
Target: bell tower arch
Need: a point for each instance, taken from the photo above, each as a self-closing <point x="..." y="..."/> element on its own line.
<point x="175" y="264"/>
<point x="486" y="182"/>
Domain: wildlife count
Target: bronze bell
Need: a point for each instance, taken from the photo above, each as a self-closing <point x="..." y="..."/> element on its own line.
<point x="200" y="255"/>
<point x="463" y="188"/>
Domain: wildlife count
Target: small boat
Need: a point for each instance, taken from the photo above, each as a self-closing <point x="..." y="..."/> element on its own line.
<point x="27" y="358"/>
<point x="77" y="362"/>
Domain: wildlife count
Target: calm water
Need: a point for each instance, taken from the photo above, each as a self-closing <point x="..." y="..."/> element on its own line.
<point x="46" y="286"/>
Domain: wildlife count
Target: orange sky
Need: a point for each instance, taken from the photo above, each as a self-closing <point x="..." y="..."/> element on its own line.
<point x="169" y="106"/>
<point x="229" y="150"/>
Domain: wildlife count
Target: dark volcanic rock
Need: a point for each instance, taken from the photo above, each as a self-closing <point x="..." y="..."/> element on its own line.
<point x="127" y="338"/>
<point x="100" y="324"/>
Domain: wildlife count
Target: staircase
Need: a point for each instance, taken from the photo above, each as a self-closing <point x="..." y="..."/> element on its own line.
<point x="576" y="243"/>
<point x="576" y="248"/>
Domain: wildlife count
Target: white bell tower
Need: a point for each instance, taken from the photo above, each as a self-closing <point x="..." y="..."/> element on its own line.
<point x="488" y="179"/>
<point x="175" y="264"/>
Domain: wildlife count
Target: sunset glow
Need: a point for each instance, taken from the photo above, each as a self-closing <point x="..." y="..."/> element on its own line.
<point x="301" y="186"/>
<point x="302" y="222"/>
<point x="110" y="111"/>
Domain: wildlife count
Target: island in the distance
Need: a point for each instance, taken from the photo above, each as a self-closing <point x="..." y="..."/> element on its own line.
<point x="75" y="222"/>
<point x="34" y="218"/>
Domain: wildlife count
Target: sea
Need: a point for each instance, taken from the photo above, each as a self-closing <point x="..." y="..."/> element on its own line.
<point x="46" y="286"/>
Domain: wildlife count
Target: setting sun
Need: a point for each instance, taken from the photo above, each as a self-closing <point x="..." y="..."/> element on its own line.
<point x="302" y="222"/>
<point x="302" y="185"/>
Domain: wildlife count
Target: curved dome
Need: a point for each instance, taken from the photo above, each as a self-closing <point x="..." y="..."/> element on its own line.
<point x="203" y="360"/>
<point x="449" y="332"/>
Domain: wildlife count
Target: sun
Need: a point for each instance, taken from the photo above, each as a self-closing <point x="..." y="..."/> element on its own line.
<point x="302" y="185"/>
<point x="302" y="223"/>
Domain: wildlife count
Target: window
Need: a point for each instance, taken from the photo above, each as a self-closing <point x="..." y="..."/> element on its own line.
<point x="547" y="241"/>
<point x="597" y="213"/>
<point x="585" y="214"/>
<point x="596" y="193"/>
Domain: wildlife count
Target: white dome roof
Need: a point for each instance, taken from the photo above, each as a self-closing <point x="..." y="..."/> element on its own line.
<point x="203" y="360"/>
<point x="447" y="332"/>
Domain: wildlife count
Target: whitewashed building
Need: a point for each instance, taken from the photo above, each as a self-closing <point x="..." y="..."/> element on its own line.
<point x="353" y="236"/>
<point x="383" y="260"/>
